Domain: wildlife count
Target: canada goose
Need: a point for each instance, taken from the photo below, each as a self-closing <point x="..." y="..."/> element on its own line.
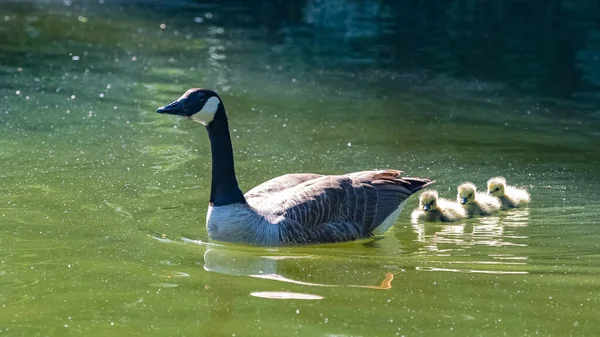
<point x="476" y="203"/>
<point x="510" y="196"/>
<point x="435" y="209"/>
<point x="293" y="209"/>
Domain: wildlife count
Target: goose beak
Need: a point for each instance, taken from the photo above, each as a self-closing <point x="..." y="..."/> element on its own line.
<point x="426" y="207"/>
<point x="463" y="201"/>
<point x="176" y="108"/>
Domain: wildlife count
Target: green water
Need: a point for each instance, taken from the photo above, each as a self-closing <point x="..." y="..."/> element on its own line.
<point x="103" y="201"/>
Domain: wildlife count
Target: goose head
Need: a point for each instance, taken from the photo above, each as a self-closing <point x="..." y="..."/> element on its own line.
<point x="466" y="193"/>
<point x="496" y="186"/>
<point x="428" y="201"/>
<point x="200" y="105"/>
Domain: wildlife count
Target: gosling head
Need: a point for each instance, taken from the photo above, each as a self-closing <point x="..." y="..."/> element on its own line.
<point x="466" y="193"/>
<point x="428" y="201"/>
<point x="200" y="105"/>
<point x="496" y="186"/>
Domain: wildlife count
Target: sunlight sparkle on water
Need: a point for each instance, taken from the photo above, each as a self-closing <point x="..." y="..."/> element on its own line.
<point x="284" y="295"/>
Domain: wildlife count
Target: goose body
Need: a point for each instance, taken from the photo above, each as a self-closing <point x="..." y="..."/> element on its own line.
<point x="293" y="209"/>
<point x="510" y="196"/>
<point x="435" y="209"/>
<point x="477" y="203"/>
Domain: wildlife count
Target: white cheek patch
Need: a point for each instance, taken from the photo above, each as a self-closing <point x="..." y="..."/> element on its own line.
<point x="207" y="114"/>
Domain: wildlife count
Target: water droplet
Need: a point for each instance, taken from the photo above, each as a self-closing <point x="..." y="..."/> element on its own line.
<point x="196" y="19"/>
<point x="163" y="26"/>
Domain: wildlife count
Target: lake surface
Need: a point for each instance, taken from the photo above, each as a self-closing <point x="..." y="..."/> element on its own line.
<point x="103" y="201"/>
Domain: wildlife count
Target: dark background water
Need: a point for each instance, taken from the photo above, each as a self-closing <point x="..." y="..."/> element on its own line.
<point x="543" y="47"/>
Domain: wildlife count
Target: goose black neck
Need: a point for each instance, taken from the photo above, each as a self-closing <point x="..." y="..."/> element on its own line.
<point x="224" y="187"/>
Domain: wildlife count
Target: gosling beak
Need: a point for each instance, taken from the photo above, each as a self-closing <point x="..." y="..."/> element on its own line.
<point x="176" y="108"/>
<point x="464" y="201"/>
<point x="426" y="207"/>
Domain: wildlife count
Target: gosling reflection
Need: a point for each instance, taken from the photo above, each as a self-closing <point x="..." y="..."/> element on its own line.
<point x="307" y="270"/>
<point x="495" y="231"/>
<point x="516" y="217"/>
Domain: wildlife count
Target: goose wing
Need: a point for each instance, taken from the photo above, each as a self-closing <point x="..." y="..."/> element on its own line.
<point x="279" y="184"/>
<point x="339" y="208"/>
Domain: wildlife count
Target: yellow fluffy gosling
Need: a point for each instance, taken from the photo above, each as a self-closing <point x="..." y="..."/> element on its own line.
<point x="435" y="209"/>
<point x="477" y="203"/>
<point x="510" y="196"/>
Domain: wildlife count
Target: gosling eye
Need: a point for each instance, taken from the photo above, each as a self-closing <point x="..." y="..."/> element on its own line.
<point x="497" y="189"/>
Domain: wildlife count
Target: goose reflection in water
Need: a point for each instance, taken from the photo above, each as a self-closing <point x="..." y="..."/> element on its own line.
<point x="295" y="268"/>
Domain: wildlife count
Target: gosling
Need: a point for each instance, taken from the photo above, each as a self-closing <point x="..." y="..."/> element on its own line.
<point x="434" y="209"/>
<point x="510" y="196"/>
<point x="477" y="203"/>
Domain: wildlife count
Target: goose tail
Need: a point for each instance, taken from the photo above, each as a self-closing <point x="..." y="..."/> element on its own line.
<point x="417" y="184"/>
<point x="412" y="184"/>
